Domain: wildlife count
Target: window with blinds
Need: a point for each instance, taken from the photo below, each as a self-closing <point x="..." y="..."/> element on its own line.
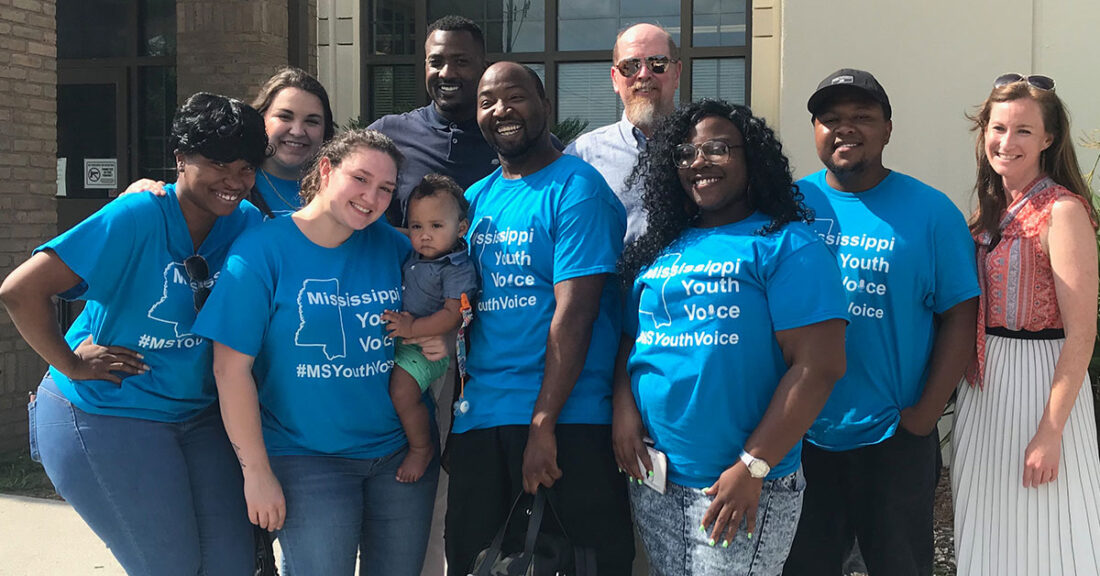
<point x="722" y="78"/>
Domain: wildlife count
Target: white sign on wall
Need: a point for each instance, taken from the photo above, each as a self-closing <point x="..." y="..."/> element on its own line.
<point x="101" y="173"/>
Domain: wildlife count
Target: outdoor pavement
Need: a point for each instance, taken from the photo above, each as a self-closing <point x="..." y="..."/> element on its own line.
<point x="47" y="538"/>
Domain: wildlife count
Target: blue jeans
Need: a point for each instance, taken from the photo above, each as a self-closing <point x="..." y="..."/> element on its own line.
<point x="166" y="498"/>
<point x="337" y="506"/>
<point x="669" y="526"/>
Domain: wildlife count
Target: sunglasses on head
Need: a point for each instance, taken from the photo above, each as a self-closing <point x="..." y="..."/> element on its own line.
<point x="713" y="151"/>
<point x="656" y="64"/>
<point x="1037" y="80"/>
<point x="199" y="274"/>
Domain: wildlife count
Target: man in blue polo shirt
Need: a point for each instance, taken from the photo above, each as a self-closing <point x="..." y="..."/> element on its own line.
<point x="443" y="136"/>
<point x="906" y="260"/>
<point x="545" y="234"/>
<point x="645" y="72"/>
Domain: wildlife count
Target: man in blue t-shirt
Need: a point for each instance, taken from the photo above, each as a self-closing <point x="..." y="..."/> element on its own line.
<point x="545" y="235"/>
<point x="906" y="260"/>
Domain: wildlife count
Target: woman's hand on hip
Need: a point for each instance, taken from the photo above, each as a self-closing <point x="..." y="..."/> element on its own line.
<point x="1041" y="458"/>
<point x="736" y="497"/>
<point x="105" y="362"/>
<point x="264" y="496"/>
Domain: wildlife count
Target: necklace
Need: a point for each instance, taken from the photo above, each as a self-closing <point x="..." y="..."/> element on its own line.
<point x="275" y="188"/>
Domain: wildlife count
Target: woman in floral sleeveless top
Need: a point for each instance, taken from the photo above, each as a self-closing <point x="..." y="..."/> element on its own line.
<point x="1026" y="477"/>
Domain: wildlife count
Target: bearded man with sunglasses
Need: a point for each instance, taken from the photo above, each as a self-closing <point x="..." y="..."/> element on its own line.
<point x="871" y="458"/>
<point x="645" y="73"/>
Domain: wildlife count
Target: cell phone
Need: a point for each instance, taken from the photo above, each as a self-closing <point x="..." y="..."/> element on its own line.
<point x="659" y="480"/>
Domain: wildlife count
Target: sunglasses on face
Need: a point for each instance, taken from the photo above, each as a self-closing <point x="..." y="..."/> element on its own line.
<point x="199" y="274"/>
<point x="656" y="64"/>
<point x="714" y="152"/>
<point x="1037" y="80"/>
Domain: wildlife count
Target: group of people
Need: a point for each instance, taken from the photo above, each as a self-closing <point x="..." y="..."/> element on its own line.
<point x="668" y="335"/>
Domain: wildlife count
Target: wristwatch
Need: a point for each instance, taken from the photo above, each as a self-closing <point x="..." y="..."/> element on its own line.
<point x="758" y="468"/>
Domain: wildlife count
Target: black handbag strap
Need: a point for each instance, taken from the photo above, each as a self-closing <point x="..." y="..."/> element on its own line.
<point x="534" y="524"/>
<point x="497" y="545"/>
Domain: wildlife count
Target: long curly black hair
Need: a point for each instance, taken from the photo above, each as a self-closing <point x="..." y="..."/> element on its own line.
<point x="669" y="208"/>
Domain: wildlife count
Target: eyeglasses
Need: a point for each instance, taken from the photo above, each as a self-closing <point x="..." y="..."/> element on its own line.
<point x="656" y="64"/>
<point x="714" y="151"/>
<point x="1037" y="80"/>
<point x="199" y="274"/>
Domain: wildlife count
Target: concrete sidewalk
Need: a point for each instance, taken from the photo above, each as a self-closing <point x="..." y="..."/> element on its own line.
<point x="47" y="538"/>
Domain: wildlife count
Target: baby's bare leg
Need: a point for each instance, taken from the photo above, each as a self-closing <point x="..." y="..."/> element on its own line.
<point x="405" y="394"/>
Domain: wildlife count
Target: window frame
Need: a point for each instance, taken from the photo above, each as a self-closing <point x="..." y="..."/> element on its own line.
<point x="551" y="57"/>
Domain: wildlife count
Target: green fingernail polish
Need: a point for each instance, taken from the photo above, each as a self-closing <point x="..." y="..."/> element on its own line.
<point x="650" y="473"/>
<point x="702" y="528"/>
<point x="726" y="544"/>
<point x="620" y="470"/>
<point x="750" y="535"/>
<point x="711" y="541"/>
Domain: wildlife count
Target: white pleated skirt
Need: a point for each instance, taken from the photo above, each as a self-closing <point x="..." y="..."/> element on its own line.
<point x="1002" y="528"/>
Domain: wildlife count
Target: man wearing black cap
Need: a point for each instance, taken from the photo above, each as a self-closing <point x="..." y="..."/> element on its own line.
<point x="907" y="263"/>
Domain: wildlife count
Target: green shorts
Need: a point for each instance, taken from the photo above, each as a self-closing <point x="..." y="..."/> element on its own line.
<point x="412" y="360"/>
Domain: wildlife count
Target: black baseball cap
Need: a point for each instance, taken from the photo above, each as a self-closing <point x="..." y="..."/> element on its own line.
<point x="847" y="79"/>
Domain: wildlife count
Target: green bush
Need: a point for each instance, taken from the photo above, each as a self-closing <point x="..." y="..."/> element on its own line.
<point x="567" y="130"/>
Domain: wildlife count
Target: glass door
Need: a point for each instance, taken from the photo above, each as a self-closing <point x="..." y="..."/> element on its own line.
<point x="92" y="152"/>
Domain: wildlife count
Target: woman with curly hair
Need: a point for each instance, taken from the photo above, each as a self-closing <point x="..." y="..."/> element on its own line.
<point x="733" y="338"/>
<point x="1026" y="478"/>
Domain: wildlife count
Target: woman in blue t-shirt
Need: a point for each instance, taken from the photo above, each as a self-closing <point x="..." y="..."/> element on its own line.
<point x="298" y="119"/>
<point x="733" y="338"/>
<point x="125" y="422"/>
<point x="302" y="361"/>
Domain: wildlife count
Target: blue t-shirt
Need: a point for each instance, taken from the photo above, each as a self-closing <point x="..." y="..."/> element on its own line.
<point x="281" y="195"/>
<point x="527" y="235"/>
<point x="130" y="256"/>
<point x="905" y="254"/>
<point x="703" y="317"/>
<point x="312" y="318"/>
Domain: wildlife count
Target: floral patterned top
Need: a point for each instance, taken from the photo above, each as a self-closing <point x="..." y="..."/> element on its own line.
<point x="1016" y="277"/>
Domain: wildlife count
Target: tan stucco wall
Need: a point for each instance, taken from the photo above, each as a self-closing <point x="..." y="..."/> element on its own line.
<point x="936" y="59"/>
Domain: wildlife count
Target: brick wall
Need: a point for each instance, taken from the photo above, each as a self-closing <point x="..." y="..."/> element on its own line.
<point x="229" y="47"/>
<point x="28" y="182"/>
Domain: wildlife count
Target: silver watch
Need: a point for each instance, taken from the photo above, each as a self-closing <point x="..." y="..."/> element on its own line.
<point x="758" y="468"/>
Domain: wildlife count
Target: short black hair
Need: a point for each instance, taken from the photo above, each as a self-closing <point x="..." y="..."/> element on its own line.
<point x="454" y="23"/>
<point x="435" y="185"/>
<point x="219" y="128"/>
